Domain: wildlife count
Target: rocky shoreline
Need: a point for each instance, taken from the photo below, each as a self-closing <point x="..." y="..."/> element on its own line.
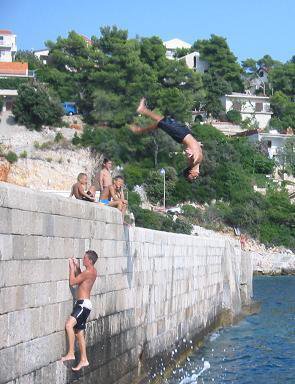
<point x="278" y="263"/>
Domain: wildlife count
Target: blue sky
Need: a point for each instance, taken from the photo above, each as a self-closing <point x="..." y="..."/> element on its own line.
<point x="253" y="28"/>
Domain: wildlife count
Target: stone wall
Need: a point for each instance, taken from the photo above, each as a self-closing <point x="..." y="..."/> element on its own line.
<point x="153" y="290"/>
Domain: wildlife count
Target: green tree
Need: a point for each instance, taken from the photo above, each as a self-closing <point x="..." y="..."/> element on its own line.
<point x="224" y="72"/>
<point x="28" y="57"/>
<point x="221" y="60"/>
<point x="286" y="156"/>
<point x="155" y="188"/>
<point x="234" y="116"/>
<point x="282" y="78"/>
<point x="108" y="77"/>
<point x="1" y="103"/>
<point x="34" y="107"/>
<point x="284" y="111"/>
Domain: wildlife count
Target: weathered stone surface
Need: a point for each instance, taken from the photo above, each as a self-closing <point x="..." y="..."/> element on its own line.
<point x="153" y="288"/>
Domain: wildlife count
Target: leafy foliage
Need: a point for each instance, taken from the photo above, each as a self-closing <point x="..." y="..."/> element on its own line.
<point x="224" y="72"/>
<point x="11" y="157"/>
<point x="234" y="116"/>
<point x="28" y="57"/>
<point x="34" y="107"/>
<point x="284" y="111"/>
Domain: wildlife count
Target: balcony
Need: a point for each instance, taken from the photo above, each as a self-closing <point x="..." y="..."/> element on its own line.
<point x="6" y="44"/>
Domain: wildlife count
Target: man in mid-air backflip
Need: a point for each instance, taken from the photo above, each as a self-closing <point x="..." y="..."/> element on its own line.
<point x="179" y="132"/>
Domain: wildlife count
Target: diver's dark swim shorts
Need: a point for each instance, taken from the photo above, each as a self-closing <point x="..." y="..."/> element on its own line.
<point x="176" y="130"/>
<point x="80" y="312"/>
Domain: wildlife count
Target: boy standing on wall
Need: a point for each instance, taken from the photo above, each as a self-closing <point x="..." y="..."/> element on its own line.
<point x="76" y="323"/>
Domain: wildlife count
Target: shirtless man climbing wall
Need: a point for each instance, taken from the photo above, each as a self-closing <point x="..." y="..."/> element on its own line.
<point x="76" y="323"/>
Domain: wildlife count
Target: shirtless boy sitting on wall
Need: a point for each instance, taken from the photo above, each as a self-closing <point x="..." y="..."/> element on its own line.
<point x="113" y="196"/>
<point x="79" y="189"/>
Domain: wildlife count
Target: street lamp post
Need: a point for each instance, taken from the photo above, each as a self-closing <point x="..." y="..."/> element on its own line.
<point x="163" y="172"/>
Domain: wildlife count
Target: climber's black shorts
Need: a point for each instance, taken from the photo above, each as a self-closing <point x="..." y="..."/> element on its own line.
<point x="176" y="130"/>
<point x="80" y="312"/>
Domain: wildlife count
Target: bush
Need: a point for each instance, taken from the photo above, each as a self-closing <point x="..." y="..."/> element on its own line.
<point x="58" y="137"/>
<point x="182" y="226"/>
<point x="189" y="211"/>
<point x="34" y="107"/>
<point x="234" y="116"/>
<point x="154" y="186"/>
<point x="133" y="199"/>
<point x="147" y="219"/>
<point x="11" y="157"/>
<point x="1" y="103"/>
<point x="23" y="155"/>
<point x="134" y="174"/>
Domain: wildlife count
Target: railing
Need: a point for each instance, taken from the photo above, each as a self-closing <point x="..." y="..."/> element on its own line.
<point x="3" y="43"/>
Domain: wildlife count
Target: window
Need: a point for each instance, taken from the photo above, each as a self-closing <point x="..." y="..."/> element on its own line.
<point x="258" y="107"/>
<point x="269" y="143"/>
<point x="195" y="62"/>
<point x="237" y="105"/>
<point x="1" y="38"/>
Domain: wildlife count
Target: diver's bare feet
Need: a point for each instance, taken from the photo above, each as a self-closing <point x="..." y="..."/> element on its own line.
<point x="141" y="106"/>
<point x="82" y="364"/>
<point x="68" y="357"/>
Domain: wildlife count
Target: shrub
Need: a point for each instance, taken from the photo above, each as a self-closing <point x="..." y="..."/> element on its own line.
<point x="234" y="116"/>
<point x="182" y="226"/>
<point x="154" y="185"/>
<point x="58" y="137"/>
<point x="34" y="107"/>
<point x="11" y="157"/>
<point x="1" y="103"/>
<point x="23" y="155"/>
<point x="133" y="199"/>
<point x="135" y="174"/>
<point x="147" y="219"/>
<point x="189" y="210"/>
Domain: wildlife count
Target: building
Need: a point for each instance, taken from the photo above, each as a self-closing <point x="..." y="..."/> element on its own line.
<point x="174" y="44"/>
<point x="42" y="55"/>
<point x="250" y="106"/>
<point x="275" y="141"/>
<point x="7" y="46"/>
<point x="193" y="61"/>
<point x="15" y="69"/>
<point x="9" y="96"/>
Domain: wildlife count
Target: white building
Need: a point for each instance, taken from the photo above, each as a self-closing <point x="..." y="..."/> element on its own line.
<point x="174" y="44"/>
<point x="250" y="106"/>
<point x="7" y="45"/>
<point x="275" y="141"/>
<point x="193" y="61"/>
<point x="42" y="55"/>
<point x="9" y="96"/>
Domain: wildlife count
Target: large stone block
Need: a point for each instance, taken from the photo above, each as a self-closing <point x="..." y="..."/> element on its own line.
<point x="24" y="358"/>
<point x="6" y="246"/>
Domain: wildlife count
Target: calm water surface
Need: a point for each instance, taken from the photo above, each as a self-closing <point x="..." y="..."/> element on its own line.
<point x="258" y="350"/>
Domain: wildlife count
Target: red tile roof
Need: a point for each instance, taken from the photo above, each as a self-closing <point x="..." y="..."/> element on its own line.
<point x="87" y="40"/>
<point x="14" y="68"/>
<point x="5" y="32"/>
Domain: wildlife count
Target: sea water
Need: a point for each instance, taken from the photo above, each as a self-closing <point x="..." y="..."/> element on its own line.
<point x="260" y="349"/>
